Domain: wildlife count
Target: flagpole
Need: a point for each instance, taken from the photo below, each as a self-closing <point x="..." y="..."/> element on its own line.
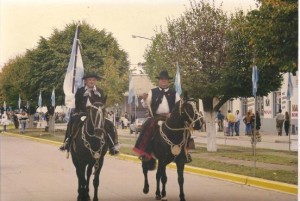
<point x="290" y="118"/>
<point x="75" y="62"/>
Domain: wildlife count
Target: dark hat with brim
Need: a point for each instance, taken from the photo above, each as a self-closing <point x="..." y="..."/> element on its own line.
<point x="91" y="74"/>
<point x="164" y="75"/>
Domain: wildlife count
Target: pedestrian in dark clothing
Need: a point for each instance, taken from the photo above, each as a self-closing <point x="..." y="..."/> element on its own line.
<point x="287" y="123"/>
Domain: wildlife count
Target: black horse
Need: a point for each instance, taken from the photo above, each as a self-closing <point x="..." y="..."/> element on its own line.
<point x="169" y="142"/>
<point x="88" y="148"/>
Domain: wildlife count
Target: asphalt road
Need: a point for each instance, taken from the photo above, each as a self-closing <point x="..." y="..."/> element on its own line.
<point x="34" y="171"/>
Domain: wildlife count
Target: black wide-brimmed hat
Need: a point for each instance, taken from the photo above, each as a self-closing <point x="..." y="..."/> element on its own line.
<point x="164" y="74"/>
<point x="91" y="74"/>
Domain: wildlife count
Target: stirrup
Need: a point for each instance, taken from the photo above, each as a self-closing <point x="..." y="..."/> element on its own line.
<point x="114" y="150"/>
<point x="188" y="158"/>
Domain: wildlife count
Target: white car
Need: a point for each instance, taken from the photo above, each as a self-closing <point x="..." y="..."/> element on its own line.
<point x="137" y="125"/>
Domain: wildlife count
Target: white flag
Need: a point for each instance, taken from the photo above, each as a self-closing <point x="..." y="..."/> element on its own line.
<point x="136" y="99"/>
<point x="178" y="81"/>
<point x="53" y="98"/>
<point x="74" y="74"/>
<point x="19" y="102"/>
<point x="40" y="100"/>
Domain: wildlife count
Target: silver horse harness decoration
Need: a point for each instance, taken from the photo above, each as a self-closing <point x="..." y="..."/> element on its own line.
<point x="176" y="148"/>
<point x="96" y="154"/>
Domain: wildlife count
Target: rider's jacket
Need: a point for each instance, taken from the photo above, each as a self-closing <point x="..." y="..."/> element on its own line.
<point x="85" y="97"/>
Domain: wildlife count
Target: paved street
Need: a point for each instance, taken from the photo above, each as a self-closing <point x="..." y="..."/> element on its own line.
<point x="32" y="171"/>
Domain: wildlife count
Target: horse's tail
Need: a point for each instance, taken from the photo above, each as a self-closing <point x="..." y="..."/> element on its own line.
<point x="149" y="165"/>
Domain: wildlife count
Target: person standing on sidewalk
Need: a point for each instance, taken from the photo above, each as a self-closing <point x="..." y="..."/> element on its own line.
<point x="287" y="123"/>
<point x="279" y="122"/>
<point x="249" y="120"/>
<point x="237" y="123"/>
<point x="220" y="118"/>
<point x="231" y="120"/>
<point x="23" y="121"/>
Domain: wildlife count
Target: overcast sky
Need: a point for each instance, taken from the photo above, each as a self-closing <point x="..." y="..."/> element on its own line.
<point x="23" y="22"/>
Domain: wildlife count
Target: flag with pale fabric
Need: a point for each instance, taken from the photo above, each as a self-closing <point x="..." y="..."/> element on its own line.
<point x="289" y="93"/>
<point x="254" y="80"/>
<point x="178" y="81"/>
<point x="19" y="102"/>
<point x="131" y="89"/>
<point x="53" y="98"/>
<point x="40" y="100"/>
<point x="136" y="98"/>
<point x="74" y="74"/>
<point x="4" y="106"/>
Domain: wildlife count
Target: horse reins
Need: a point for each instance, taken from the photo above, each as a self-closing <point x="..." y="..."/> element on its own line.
<point x="100" y="126"/>
<point x="176" y="148"/>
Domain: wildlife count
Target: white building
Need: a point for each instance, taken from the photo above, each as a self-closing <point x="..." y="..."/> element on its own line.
<point x="268" y="106"/>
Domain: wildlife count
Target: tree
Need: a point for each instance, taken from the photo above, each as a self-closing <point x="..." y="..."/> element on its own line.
<point x="43" y="68"/>
<point x="274" y="37"/>
<point x="215" y="57"/>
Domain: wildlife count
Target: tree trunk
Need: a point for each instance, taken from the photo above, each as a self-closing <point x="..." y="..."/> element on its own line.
<point x="211" y="132"/>
<point x="31" y="119"/>
<point x="51" y="123"/>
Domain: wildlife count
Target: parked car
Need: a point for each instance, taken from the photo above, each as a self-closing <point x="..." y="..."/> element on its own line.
<point x="137" y="125"/>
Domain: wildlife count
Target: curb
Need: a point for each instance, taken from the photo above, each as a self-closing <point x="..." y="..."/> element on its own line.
<point x="236" y="178"/>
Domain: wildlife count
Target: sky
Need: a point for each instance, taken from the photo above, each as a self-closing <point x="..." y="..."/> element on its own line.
<point x="23" y="22"/>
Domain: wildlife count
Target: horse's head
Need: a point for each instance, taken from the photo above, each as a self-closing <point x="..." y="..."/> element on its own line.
<point x="96" y="117"/>
<point x="189" y="113"/>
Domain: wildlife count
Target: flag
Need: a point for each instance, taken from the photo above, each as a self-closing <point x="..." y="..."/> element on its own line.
<point x="254" y="80"/>
<point x="131" y="89"/>
<point x="289" y="93"/>
<point x="40" y="100"/>
<point x="177" y="81"/>
<point x="27" y="105"/>
<point x="136" y="98"/>
<point x="53" y="98"/>
<point x="19" y="102"/>
<point x="4" y="106"/>
<point x="74" y="74"/>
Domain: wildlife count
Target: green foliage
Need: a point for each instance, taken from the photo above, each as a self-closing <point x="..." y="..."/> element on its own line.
<point x="43" y="68"/>
<point x="216" y="52"/>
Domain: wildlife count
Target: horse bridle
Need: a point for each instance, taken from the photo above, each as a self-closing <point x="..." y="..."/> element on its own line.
<point x="96" y="154"/>
<point x="192" y="119"/>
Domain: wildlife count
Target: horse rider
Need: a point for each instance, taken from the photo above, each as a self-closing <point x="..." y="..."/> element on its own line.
<point x="160" y="101"/>
<point x="85" y="97"/>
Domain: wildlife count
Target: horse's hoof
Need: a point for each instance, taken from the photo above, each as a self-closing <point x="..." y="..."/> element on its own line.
<point x="164" y="198"/>
<point x="158" y="197"/>
<point x="146" y="190"/>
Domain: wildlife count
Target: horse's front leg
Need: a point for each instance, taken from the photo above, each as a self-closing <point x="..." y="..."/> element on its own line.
<point x="145" y="172"/>
<point x="80" y="171"/>
<point x="96" y="178"/>
<point x="180" y="169"/>
<point x="158" y="178"/>
<point x="88" y="176"/>
<point x="164" y="179"/>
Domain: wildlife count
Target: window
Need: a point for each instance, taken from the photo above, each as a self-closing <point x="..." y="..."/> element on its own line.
<point x="277" y="102"/>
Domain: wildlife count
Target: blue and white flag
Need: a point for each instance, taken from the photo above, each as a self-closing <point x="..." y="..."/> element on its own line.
<point x="73" y="79"/>
<point x="136" y="98"/>
<point x="53" y="98"/>
<point x="40" y="100"/>
<point x="19" y="102"/>
<point x="131" y="89"/>
<point x="178" y="81"/>
<point x="4" y="106"/>
<point x="254" y="80"/>
<point x="290" y="87"/>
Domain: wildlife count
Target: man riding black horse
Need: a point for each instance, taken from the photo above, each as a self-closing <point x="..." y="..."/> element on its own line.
<point x="84" y="98"/>
<point x="160" y="101"/>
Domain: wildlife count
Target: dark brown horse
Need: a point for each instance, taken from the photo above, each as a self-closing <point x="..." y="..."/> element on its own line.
<point x="88" y="148"/>
<point x="169" y="143"/>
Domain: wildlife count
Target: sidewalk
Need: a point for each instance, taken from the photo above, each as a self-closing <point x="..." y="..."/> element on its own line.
<point x="269" y="141"/>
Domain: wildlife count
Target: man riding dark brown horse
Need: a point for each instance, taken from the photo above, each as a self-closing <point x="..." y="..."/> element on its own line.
<point x="84" y="98"/>
<point x="160" y="101"/>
